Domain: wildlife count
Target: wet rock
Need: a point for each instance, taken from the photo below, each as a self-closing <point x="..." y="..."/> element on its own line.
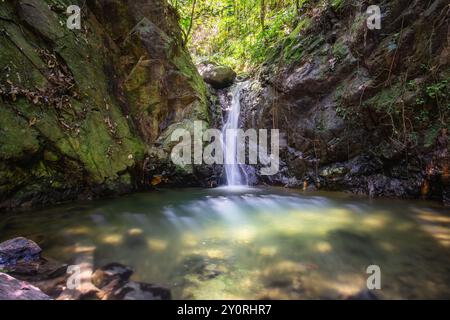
<point x="17" y="250"/>
<point x="107" y="274"/>
<point x="217" y="76"/>
<point x="380" y="185"/>
<point x="25" y="263"/>
<point x="333" y="171"/>
<point x="202" y="267"/>
<point x="86" y="291"/>
<point x="13" y="289"/>
<point x="39" y="270"/>
<point x="52" y="287"/>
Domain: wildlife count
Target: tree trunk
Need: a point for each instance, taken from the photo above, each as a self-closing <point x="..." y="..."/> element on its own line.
<point x="263" y="14"/>
<point x="188" y="32"/>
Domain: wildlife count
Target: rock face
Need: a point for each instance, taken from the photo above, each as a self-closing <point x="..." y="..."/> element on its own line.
<point x="13" y="289"/>
<point x="359" y="109"/>
<point x="82" y="108"/>
<point x="219" y="77"/>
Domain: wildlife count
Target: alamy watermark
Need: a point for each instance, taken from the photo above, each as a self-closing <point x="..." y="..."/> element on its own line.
<point x="373" y="20"/>
<point x="374" y="280"/>
<point x="74" y="19"/>
<point x="374" y="17"/>
<point x="74" y="280"/>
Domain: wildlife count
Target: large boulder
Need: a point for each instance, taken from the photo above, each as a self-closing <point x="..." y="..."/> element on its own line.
<point x="219" y="77"/>
<point x="13" y="289"/>
<point x="18" y="250"/>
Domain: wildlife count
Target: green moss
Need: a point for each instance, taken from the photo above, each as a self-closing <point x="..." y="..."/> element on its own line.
<point x="17" y="138"/>
<point x="19" y="66"/>
<point x="50" y="156"/>
<point x="89" y="134"/>
<point x="386" y="100"/>
<point x="184" y="64"/>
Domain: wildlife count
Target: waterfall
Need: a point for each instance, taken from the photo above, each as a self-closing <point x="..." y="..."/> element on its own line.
<point x="235" y="172"/>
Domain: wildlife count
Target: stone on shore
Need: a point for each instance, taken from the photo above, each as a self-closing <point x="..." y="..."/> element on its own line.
<point x="18" y="250"/>
<point x="13" y="289"/>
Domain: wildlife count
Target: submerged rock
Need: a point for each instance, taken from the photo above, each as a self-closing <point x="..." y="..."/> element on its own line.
<point x="219" y="77"/>
<point x="113" y="271"/>
<point x="13" y="289"/>
<point x="137" y="291"/>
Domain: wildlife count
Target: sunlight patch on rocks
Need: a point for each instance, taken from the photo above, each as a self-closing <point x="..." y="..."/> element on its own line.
<point x="112" y="239"/>
<point x="157" y="244"/>
<point x="323" y="247"/>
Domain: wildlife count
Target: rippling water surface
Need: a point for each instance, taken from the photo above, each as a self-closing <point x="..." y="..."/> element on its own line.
<point x="254" y="243"/>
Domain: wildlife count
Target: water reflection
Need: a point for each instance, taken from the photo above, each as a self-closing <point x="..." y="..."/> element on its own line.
<point x="253" y="243"/>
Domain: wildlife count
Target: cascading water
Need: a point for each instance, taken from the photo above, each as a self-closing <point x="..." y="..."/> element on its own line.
<point x="235" y="172"/>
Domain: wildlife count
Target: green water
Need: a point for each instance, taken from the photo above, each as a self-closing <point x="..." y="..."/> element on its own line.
<point x="254" y="243"/>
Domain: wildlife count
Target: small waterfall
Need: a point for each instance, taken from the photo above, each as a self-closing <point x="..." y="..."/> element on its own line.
<point x="235" y="172"/>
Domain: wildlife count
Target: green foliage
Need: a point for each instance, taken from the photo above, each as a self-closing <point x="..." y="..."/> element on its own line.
<point x="438" y="90"/>
<point x="337" y="4"/>
<point x="239" y="33"/>
<point x="340" y="50"/>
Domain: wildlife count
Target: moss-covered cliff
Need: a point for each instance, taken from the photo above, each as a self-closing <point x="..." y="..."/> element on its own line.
<point x="80" y="109"/>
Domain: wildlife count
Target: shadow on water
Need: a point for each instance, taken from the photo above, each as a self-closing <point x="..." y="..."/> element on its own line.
<point x="254" y="243"/>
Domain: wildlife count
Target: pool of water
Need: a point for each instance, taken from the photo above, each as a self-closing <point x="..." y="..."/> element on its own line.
<point x="247" y="243"/>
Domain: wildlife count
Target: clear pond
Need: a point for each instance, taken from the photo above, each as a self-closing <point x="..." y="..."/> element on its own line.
<point x="253" y="243"/>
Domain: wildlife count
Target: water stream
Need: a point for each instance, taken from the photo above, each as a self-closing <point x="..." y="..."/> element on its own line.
<point x="235" y="172"/>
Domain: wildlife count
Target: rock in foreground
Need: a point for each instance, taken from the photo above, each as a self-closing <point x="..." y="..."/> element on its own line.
<point x="113" y="271"/>
<point x="114" y="284"/>
<point x="13" y="289"/>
